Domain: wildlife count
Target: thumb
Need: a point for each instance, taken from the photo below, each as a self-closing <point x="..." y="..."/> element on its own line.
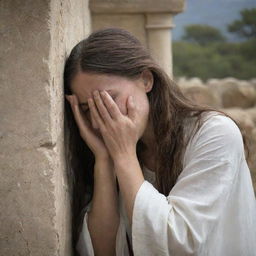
<point x="131" y="108"/>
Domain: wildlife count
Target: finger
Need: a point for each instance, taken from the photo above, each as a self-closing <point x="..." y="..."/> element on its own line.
<point x="110" y="104"/>
<point x="131" y="108"/>
<point x="81" y="122"/>
<point x="95" y="114"/>
<point x="94" y="124"/>
<point x="105" y="115"/>
<point x="68" y="97"/>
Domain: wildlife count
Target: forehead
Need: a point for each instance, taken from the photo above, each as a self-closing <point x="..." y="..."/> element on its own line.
<point x="88" y="82"/>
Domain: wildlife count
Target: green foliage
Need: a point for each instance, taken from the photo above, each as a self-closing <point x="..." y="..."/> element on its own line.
<point x="204" y="53"/>
<point x="218" y="60"/>
<point x="202" y="34"/>
<point x="246" y="26"/>
<point x="248" y="49"/>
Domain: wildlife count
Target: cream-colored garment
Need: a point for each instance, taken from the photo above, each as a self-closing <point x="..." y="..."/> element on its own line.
<point x="211" y="210"/>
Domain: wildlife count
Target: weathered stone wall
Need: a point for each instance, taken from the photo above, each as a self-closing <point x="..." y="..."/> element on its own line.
<point x="235" y="97"/>
<point x="35" y="193"/>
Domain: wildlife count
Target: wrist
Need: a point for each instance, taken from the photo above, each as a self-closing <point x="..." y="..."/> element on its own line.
<point x="104" y="168"/>
<point x="103" y="160"/>
<point x="125" y="159"/>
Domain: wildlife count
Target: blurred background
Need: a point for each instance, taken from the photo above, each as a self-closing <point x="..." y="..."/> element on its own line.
<point x="214" y="60"/>
<point x="215" y="39"/>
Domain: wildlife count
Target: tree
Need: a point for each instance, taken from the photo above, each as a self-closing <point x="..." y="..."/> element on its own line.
<point x="202" y="34"/>
<point x="217" y="60"/>
<point x="246" y="26"/>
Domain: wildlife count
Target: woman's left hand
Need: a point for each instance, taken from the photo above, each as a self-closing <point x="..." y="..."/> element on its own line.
<point x="120" y="132"/>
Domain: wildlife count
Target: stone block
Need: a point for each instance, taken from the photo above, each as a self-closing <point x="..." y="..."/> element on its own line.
<point x="234" y="92"/>
<point x="35" y="190"/>
<point x="137" y="6"/>
<point x="196" y="91"/>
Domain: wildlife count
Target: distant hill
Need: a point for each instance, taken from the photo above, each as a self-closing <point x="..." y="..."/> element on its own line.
<point x="216" y="13"/>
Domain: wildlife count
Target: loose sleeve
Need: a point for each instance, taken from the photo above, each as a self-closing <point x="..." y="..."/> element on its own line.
<point x="84" y="245"/>
<point x="181" y="223"/>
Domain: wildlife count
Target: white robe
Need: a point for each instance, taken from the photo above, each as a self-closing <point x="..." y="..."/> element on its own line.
<point x="211" y="210"/>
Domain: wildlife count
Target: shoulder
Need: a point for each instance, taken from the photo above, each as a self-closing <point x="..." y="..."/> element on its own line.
<point x="219" y="137"/>
<point x="221" y="126"/>
<point x="215" y="123"/>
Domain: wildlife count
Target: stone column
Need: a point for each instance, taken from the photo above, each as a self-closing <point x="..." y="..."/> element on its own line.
<point x="159" y="40"/>
<point x="149" y="20"/>
<point x="35" y="203"/>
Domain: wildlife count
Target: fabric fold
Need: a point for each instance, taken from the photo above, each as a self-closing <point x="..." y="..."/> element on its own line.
<point x="191" y="218"/>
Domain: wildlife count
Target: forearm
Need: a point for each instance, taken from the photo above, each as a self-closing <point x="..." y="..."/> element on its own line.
<point x="103" y="218"/>
<point x="130" y="178"/>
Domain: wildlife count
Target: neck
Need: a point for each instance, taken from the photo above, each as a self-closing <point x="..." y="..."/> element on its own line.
<point x="148" y="137"/>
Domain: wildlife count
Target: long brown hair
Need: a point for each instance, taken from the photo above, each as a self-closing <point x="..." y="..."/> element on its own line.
<point x="116" y="51"/>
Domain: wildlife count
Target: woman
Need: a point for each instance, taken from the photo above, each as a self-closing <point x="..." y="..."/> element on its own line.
<point x="155" y="174"/>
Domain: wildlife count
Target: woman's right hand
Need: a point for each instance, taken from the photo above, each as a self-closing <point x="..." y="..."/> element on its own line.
<point x="88" y="131"/>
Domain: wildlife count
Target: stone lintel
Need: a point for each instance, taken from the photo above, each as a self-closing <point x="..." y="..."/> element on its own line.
<point x="136" y="6"/>
<point x="159" y="21"/>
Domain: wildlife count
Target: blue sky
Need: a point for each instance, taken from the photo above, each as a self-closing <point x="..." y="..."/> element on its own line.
<point x="217" y="13"/>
